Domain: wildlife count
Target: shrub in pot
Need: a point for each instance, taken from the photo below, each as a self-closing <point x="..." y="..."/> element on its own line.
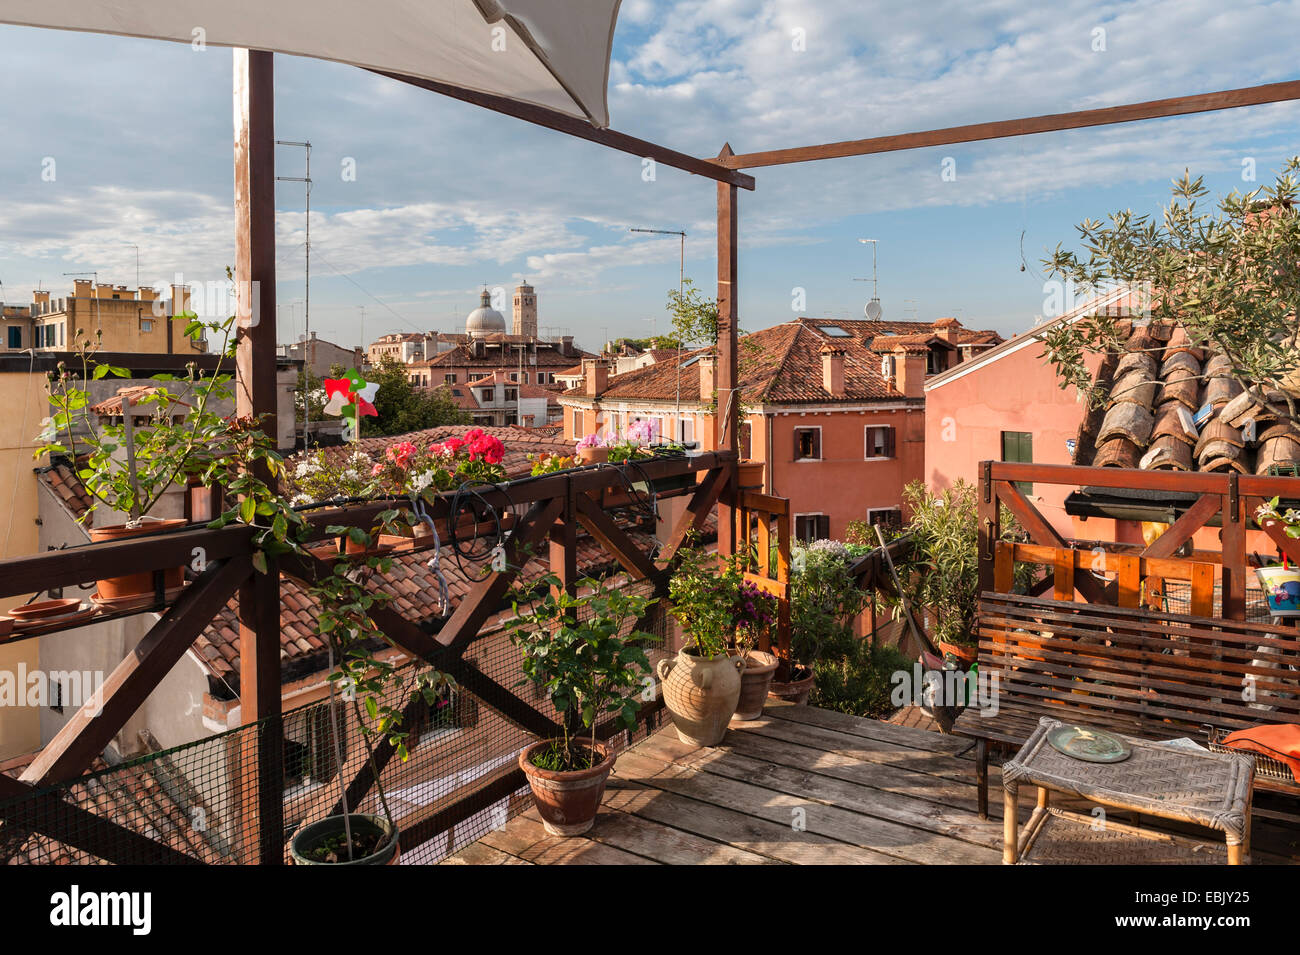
<point x="574" y="647"/>
<point x="824" y="599"/>
<point x="169" y="436"/>
<point x="365" y="681"/>
<point x="940" y="572"/>
<point x="701" y="687"/>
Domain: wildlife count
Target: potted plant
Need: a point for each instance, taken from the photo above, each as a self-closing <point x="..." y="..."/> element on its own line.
<point x="165" y="435"/>
<point x="701" y="686"/>
<point x="591" y="449"/>
<point x="941" y="570"/>
<point x="824" y="599"/>
<point x="754" y="613"/>
<point x="574" y="648"/>
<point x="365" y="682"/>
<point x="1280" y="582"/>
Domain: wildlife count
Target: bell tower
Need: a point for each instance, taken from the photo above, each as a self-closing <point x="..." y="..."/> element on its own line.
<point x="525" y="311"/>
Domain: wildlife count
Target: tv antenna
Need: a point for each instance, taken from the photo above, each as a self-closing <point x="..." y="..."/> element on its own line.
<point x="872" y="311"/>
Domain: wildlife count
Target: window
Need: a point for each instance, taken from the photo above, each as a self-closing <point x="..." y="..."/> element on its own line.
<point x="449" y="379"/>
<point x="833" y="331"/>
<point x="1018" y="446"/>
<point x="15" y="336"/>
<point x="513" y="376"/>
<point x="885" y="517"/>
<point x="577" y="424"/>
<point x="146" y="324"/>
<point x="880" y="442"/>
<point x="512" y="394"/>
<point x="685" y="430"/>
<point x="812" y="527"/>
<point x="487" y="394"/>
<point x="807" y="444"/>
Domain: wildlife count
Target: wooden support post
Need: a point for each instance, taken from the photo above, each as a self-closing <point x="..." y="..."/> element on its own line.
<point x="990" y="528"/>
<point x="1234" y="552"/>
<point x="728" y="371"/>
<point x="255" y="393"/>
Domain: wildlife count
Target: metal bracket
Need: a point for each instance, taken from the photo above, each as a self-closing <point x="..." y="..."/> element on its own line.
<point x="988" y="482"/>
<point x="1234" y="499"/>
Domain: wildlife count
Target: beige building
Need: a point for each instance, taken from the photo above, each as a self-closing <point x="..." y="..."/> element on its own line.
<point x="135" y="321"/>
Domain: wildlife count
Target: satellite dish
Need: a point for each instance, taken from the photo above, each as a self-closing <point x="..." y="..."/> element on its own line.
<point x="873" y="311"/>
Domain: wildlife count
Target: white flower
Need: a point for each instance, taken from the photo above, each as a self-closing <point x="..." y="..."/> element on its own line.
<point x="420" y="481"/>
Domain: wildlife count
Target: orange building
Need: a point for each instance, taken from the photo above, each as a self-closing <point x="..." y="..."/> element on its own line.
<point x="131" y="321"/>
<point x="835" y="409"/>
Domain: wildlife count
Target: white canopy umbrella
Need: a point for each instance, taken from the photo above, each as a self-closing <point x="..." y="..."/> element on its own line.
<point x="547" y="53"/>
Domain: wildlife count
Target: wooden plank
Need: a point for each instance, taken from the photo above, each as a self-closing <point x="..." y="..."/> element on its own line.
<point x="612" y="537"/>
<point x="1193" y="519"/>
<point x="1189" y="482"/>
<point x="908" y="737"/>
<point x="975" y="132"/>
<point x="1063" y="575"/>
<point x="1235" y="571"/>
<point x="1202" y="604"/>
<point x="792" y="770"/>
<point x="1129" y="577"/>
<point x="737" y="828"/>
<point x="764" y="503"/>
<point x="666" y="844"/>
<point x="821" y="818"/>
<point x="528" y="840"/>
<point x="728" y="344"/>
<point x="480" y="853"/>
<point x="1004" y="567"/>
<point x="581" y="129"/>
<point x="481" y="602"/>
<point x="99" y="719"/>
<point x="705" y="497"/>
<point x="990" y="527"/>
<point x="1176" y="568"/>
<point x="763" y="544"/>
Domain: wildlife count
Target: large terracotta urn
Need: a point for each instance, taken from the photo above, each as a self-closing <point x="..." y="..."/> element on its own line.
<point x="700" y="694"/>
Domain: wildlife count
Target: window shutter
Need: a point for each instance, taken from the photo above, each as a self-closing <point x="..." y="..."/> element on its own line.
<point x="889" y="442"/>
<point x="823" y="527"/>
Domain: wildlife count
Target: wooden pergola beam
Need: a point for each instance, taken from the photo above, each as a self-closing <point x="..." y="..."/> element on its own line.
<point x="1079" y="119"/>
<point x="581" y="129"/>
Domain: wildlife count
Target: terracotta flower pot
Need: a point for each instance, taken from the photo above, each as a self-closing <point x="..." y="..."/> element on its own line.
<point x="567" y="801"/>
<point x="700" y="695"/>
<point x="796" y="689"/>
<point x="592" y="455"/>
<point x="962" y="652"/>
<point x="136" y="585"/>
<point x="749" y="474"/>
<point x="332" y="826"/>
<point x="755" y="679"/>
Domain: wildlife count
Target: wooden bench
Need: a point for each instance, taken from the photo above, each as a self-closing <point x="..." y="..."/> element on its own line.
<point x="1143" y="673"/>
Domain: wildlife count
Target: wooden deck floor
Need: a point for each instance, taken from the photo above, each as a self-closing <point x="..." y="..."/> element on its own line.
<point x="800" y="786"/>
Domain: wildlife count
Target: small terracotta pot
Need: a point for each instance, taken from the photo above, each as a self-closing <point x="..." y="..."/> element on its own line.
<point x="700" y="695"/>
<point x="749" y="475"/>
<point x="793" y="691"/>
<point x="45" y="608"/>
<point x="593" y="455"/>
<point x="755" y="679"/>
<point x="963" y="653"/>
<point x="136" y="585"/>
<point x="567" y="801"/>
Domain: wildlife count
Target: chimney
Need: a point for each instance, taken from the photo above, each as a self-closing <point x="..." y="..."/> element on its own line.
<point x="833" y="370"/>
<point x="81" y="288"/>
<point x="596" y="376"/>
<point x="909" y="371"/>
<point x="708" y="371"/>
<point x="41" y="297"/>
<point x="180" y="299"/>
<point x="947" y="328"/>
<point x="566" y="345"/>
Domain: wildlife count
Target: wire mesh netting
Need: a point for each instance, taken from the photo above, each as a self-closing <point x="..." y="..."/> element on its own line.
<point x="198" y="802"/>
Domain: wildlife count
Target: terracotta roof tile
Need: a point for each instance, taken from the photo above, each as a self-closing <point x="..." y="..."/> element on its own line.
<point x="1156" y="386"/>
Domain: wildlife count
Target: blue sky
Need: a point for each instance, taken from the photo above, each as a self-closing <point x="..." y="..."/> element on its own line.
<point x="447" y="197"/>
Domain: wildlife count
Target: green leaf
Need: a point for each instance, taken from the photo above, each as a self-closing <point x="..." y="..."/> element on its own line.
<point x="247" y="510"/>
<point x="259" y="561"/>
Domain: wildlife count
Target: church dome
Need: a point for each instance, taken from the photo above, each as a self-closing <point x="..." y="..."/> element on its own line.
<point x="485" y="320"/>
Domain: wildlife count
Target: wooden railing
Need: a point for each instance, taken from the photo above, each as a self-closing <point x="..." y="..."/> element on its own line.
<point x="1232" y="497"/>
<point x="556" y="506"/>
